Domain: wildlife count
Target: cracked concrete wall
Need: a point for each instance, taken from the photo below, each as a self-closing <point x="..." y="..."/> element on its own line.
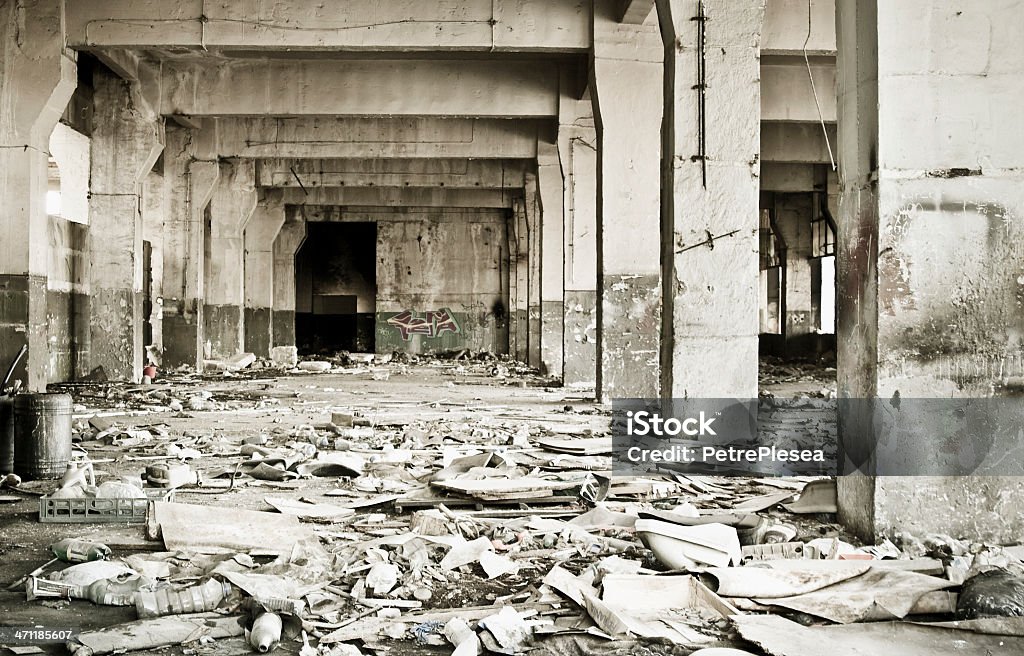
<point x="930" y="258"/>
<point x="453" y="261"/>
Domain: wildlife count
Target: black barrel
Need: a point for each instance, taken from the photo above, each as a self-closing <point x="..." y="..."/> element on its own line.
<point x="6" y="434"/>
<point x="42" y="435"/>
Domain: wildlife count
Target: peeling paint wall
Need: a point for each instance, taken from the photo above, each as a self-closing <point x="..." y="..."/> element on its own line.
<point x="449" y="263"/>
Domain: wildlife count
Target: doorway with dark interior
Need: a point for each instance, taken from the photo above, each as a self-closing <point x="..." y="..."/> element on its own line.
<point x="336" y="288"/>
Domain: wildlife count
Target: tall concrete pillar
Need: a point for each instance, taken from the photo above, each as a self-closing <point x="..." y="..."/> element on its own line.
<point x="793" y="215"/>
<point x="189" y="183"/>
<point x="930" y="264"/>
<point x="627" y="92"/>
<point x="127" y="139"/>
<point x="231" y="207"/>
<point x="260" y="234"/>
<point x="711" y="187"/>
<point x="519" y="281"/>
<point x="154" y="209"/>
<point x="577" y="152"/>
<point x="550" y="190"/>
<point x="534" y="262"/>
<point x="37" y="79"/>
<point x="287" y="244"/>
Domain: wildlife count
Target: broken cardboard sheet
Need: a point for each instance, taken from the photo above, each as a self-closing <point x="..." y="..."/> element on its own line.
<point x="161" y="632"/>
<point x="653" y="606"/>
<point x="874" y="595"/>
<point x="213" y="529"/>
<point x="778" y="636"/>
<point x="594" y="446"/>
<point x="304" y="510"/>
<point x="769" y="583"/>
<point x="684" y="547"/>
<point x="817" y="497"/>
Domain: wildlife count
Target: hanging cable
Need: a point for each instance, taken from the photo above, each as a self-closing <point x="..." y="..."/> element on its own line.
<point x="814" y="91"/>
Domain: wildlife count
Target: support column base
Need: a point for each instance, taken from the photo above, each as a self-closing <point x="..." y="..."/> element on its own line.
<point x="115" y="322"/>
<point x="976" y="508"/>
<point x="580" y="339"/>
<point x="23" y="321"/>
<point x="283" y="322"/>
<point x="223" y="329"/>
<point x="257" y="331"/>
<point x="630" y="345"/>
<point x="181" y="341"/>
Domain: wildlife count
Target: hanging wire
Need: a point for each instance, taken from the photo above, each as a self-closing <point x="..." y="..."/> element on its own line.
<point x="814" y="90"/>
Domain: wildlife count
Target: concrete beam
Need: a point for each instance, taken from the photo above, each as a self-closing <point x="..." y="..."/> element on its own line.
<point x="787" y="24"/>
<point x="372" y="138"/>
<point x="361" y="87"/>
<point x="403" y="197"/>
<point x="447" y="173"/>
<point x="312" y="25"/>
<point x="797" y="142"/>
<point x="788" y="95"/>
<point x="635" y="11"/>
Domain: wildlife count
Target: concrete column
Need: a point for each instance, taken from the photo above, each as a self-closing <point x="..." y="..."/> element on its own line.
<point x="189" y="183"/>
<point x="793" y="215"/>
<point x="260" y="234"/>
<point x="154" y="209"/>
<point x="627" y="85"/>
<point x="711" y="188"/>
<point x="127" y="139"/>
<point x="533" y="259"/>
<point x="930" y="264"/>
<point x="37" y="79"/>
<point x="287" y="244"/>
<point x="551" y="190"/>
<point x="577" y="152"/>
<point x="231" y="207"/>
<point x="519" y="285"/>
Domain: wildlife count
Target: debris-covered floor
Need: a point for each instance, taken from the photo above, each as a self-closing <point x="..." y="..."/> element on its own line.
<point x="400" y="508"/>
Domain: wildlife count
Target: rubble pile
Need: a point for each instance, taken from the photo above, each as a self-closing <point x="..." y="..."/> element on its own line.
<point x="469" y="526"/>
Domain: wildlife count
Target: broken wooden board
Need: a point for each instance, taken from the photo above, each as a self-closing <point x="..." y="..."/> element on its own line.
<point x="303" y="510"/>
<point x="161" y="632"/>
<point x="215" y="529"/>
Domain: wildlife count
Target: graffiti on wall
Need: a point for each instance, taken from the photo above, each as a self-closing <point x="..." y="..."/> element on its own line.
<point x="432" y="323"/>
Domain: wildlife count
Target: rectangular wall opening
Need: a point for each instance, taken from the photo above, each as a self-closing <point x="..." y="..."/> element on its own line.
<point x="336" y="288"/>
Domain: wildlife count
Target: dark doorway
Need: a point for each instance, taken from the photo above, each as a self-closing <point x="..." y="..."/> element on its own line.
<point x="147" y="293"/>
<point x="336" y="288"/>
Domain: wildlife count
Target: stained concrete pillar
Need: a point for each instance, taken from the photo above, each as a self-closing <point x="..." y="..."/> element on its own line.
<point x="517" y="230"/>
<point x="37" y="79"/>
<point x="793" y="215"/>
<point x="289" y="240"/>
<point x="127" y="139"/>
<point x="531" y="205"/>
<point x="190" y="178"/>
<point x="551" y="190"/>
<point x="260" y="234"/>
<point x="930" y="267"/>
<point x="231" y="208"/>
<point x="711" y="188"/>
<point x="154" y="209"/>
<point x="577" y="153"/>
<point x="626" y="83"/>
